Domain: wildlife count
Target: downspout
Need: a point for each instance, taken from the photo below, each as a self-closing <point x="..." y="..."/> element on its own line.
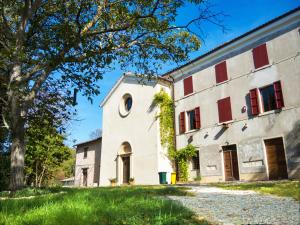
<point x="174" y="124"/>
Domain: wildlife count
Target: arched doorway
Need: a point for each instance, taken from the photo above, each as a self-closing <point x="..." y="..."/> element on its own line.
<point x="125" y="153"/>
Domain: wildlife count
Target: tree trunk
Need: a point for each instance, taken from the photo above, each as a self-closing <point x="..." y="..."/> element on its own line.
<point x="17" y="147"/>
<point x="42" y="176"/>
<point x="36" y="174"/>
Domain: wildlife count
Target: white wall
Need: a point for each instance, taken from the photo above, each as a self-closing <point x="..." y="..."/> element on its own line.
<point x="140" y="129"/>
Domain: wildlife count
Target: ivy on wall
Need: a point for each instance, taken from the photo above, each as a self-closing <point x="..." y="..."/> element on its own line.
<point x="182" y="157"/>
<point x="165" y="116"/>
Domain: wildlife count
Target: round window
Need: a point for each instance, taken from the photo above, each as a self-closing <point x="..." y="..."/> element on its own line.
<point x="128" y="103"/>
<point x="125" y="105"/>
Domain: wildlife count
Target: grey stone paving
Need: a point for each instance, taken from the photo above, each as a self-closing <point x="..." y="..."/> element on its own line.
<point x="241" y="207"/>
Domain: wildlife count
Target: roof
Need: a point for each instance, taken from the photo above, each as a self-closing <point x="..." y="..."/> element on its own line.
<point x="89" y="141"/>
<point x="232" y="41"/>
<point x="128" y="74"/>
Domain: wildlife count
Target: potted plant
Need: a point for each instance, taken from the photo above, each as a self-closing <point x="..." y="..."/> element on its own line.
<point x="113" y="182"/>
<point x="131" y="181"/>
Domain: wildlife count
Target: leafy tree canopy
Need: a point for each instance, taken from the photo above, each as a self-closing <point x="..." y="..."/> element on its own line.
<point x="71" y="43"/>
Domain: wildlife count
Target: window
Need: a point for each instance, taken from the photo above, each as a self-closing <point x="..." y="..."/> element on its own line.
<point x="268" y="98"/>
<point x="192" y="120"/>
<point x="182" y="123"/>
<point x="85" y="151"/>
<point x="224" y="108"/>
<point x="125" y="105"/>
<point x="128" y="103"/>
<point x="260" y="56"/>
<point x="188" y="85"/>
<point x="195" y="162"/>
<point x="271" y="98"/>
<point x="221" y="72"/>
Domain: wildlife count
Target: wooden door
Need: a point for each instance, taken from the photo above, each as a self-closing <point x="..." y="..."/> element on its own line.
<point x="231" y="163"/>
<point x="126" y="169"/>
<point x="84" y="173"/>
<point x="276" y="159"/>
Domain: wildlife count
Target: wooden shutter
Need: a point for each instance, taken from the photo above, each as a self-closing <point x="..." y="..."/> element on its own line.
<point x="254" y="102"/>
<point x="197" y="118"/>
<point x="221" y="72"/>
<point x="224" y="107"/>
<point x="182" y="122"/>
<point x="278" y="95"/>
<point x="260" y="56"/>
<point x="188" y="85"/>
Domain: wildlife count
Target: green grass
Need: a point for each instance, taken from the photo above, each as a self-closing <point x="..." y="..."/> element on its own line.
<point x="279" y="188"/>
<point x="120" y="205"/>
<point x="27" y="192"/>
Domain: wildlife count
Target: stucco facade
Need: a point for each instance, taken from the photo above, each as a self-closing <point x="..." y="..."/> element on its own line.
<point x="132" y="136"/>
<point x="248" y="133"/>
<point x="87" y="165"/>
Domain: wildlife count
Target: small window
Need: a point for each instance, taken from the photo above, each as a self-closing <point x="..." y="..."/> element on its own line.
<point x="268" y="98"/>
<point x="188" y="85"/>
<point x="125" y="105"/>
<point x="195" y="162"/>
<point x="128" y="103"/>
<point x="221" y="72"/>
<point x="260" y="56"/>
<point x="85" y="151"/>
<point x="224" y="109"/>
<point x="192" y="120"/>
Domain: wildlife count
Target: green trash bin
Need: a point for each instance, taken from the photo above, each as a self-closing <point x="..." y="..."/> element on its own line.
<point x="162" y="177"/>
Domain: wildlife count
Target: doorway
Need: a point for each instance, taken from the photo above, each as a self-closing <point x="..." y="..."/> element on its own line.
<point x="276" y="159"/>
<point x="126" y="169"/>
<point x="231" y="166"/>
<point x="85" y="174"/>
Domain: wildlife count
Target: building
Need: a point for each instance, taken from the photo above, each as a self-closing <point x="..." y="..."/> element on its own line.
<point x="240" y="104"/>
<point x="87" y="164"/>
<point x="131" y="146"/>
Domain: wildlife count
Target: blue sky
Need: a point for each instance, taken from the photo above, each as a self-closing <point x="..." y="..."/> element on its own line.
<point x="242" y="16"/>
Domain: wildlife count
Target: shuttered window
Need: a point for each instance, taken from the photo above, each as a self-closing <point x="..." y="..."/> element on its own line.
<point x="188" y="85"/>
<point x="254" y="101"/>
<point x="191" y="120"/>
<point x="182" y="123"/>
<point x="198" y="118"/>
<point x="85" y="151"/>
<point x="260" y="56"/>
<point x="278" y="95"/>
<point x="224" y="108"/>
<point x="221" y="72"/>
<point x="268" y="98"/>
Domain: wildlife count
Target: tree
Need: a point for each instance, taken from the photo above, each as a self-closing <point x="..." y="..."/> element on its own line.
<point x="45" y="153"/>
<point x="71" y="43"/>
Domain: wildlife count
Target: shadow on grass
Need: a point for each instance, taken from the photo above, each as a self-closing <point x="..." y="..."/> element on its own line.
<point x="121" y="205"/>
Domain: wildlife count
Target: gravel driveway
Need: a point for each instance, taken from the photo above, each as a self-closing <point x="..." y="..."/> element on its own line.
<point x="241" y="207"/>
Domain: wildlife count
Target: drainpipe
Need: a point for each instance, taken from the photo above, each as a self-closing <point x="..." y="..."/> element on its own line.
<point x="174" y="123"/>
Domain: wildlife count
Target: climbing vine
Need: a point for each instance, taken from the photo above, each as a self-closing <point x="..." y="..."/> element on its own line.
<point x="165" y="116"/>
<point x="182" y="157"/>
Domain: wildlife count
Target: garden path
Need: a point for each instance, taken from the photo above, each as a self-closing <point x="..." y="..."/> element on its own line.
<point x="240" y="207"/>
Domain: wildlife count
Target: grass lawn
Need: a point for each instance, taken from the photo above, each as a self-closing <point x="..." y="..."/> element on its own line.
<point x="119" y="205"/>
<point x="279" y="188"/>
